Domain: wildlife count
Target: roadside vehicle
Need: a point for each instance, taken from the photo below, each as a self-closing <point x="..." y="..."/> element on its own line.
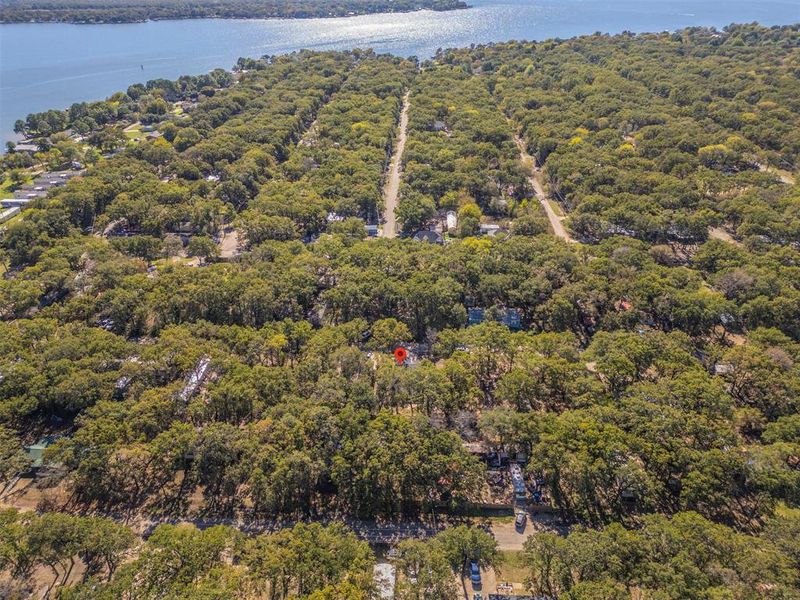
<point x="474" y="574"/>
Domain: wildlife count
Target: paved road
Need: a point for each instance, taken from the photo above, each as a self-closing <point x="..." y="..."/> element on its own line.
<point x="373" y="532"/>
<point x="392" y="187"/>
<point x="26" y="497"/>
<point x="507" y="536"/>
<point x="556" y="222"/>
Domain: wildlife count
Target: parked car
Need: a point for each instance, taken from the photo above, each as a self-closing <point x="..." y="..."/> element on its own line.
<point x="474" y="574"/>
<point x="519" y="522"/>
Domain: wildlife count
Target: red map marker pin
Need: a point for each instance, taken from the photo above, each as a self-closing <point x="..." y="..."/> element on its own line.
<point x="400" y="355"/>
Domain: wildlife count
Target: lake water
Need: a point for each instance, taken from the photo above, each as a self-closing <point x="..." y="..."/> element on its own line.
<point x="52" y="65"/>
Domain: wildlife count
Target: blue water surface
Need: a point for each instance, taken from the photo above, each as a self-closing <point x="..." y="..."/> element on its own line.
<point x="51" y="65"/>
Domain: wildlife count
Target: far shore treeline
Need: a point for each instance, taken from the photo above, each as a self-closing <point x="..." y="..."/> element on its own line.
<point x="134" y="11"/>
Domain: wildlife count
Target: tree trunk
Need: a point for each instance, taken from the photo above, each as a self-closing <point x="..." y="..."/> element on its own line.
<point x="68" y="571"/>
<point x="53" y="583"/>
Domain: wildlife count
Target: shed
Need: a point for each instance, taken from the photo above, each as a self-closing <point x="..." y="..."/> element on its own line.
<point x="35" y="452"/>
<point x="452" y="220"/>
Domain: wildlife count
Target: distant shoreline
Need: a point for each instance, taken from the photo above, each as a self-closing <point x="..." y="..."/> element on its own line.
<point x="124" y="14"/>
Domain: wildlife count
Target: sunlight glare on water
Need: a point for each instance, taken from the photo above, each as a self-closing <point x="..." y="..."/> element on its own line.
<point x="52" y="65"/>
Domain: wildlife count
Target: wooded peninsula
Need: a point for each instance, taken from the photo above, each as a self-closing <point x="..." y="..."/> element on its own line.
<point x="595" y="277"/>
<point x="135" y="11"/>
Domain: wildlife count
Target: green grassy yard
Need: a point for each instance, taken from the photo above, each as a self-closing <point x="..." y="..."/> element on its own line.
<point x="512" y="569"/>
<point x="556" y="207"/>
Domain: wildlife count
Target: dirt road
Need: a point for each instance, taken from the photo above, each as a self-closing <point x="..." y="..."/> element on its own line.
<point x="556" y="221"/>
<point x="510" y="538"/>
<point x="392" y="187"/>
<point x="229" y="244"/>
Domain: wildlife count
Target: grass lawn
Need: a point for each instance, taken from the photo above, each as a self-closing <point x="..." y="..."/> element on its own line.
<point x="7" y="187"/>
<point x="556" y="208"/>
<point x="133" y="131"/>
<point x="787" y="176"/>
<point x="173" y="260"/>
<point x="512" y="569"/>
<point x="782" y="510"/>
<point x="502" y="518"/>
<point x="17" y="217"/>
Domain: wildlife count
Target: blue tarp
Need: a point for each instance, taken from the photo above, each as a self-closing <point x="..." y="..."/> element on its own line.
<point x="511" y="318"/>
<point x="475" y="315"/>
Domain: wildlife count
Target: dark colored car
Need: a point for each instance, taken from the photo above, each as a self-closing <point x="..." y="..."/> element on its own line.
<point x="474" y="574"/>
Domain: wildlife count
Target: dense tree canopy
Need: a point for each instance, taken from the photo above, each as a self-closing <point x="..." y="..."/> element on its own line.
<point x="658" y="136"/>
<point x="653" y="381"/>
